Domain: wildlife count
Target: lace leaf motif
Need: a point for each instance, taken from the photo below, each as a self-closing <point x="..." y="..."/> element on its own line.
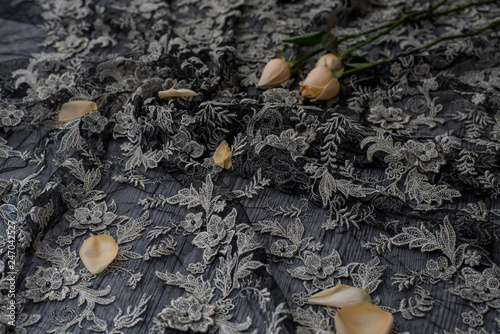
<point x="423" y="192"/>
<point x="444" y="240"/>
<point x="328" y="185"/>
<point x="192" y="197"/>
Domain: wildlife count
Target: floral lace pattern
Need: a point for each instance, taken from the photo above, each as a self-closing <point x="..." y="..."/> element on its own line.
<point x="392" y="187"/>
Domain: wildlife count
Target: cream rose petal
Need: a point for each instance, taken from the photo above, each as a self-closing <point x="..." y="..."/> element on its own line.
<point x="74" y="109"/>
<point x="167" y="94"/>
<point x="319" y="77"/>
<point x="223" y="155"/>
<point x="330" y="91"/>
<point x="97" y="252"/>
<point x="320" y="84"/>
<point x="364" y="318"/>
<point x="340" y="296"/>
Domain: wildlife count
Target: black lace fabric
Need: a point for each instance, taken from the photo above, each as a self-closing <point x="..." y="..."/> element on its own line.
<point x="391" y="187"/>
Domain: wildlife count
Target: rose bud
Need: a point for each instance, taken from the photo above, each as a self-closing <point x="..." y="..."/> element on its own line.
<point x="223" y="155"/>
<point x="328" y="60"/>
<point x="320" y="84"/>
<point x="275" y="72"/>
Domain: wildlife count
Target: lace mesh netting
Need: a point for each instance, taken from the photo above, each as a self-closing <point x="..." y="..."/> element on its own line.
<point x="391" y="187"/>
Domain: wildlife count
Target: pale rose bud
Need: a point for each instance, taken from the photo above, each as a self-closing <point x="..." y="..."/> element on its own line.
<point x="223" y="155"/>
<point x="340" y="296"/>
<point x="320" y="84"/>
<point x="275" y="72"/>
<point x="328" y="60"/>
<point x="97" y="252"/>
<point x="364" y="318"/>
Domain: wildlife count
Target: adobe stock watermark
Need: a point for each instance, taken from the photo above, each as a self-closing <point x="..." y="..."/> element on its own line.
<point x="11" y="273"/>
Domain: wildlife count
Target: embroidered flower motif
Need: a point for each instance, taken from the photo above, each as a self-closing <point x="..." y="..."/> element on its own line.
<point x="126" y="125"/>
<point x="439" y="269"/>
<point x="472" y="319"/>
<point x="288" y="140"/>
<point x="389" y="118"/>
<point x="96" y="218"/>
<point x="187" y="314"/>
<point x="184" y="142"/>
<point x="192" y="222"/>
<point x="11" y="116"/>
<point x="472" y="258"/>
<point x="73" y="195"/>
<point x="50" y="283"/>
<point x="196" y="268"/>
<point x="421" y="72"/>
<point x="216" y="231"/>
<point x="283" y="248"/>
<point x="448" y="143"/>
<point x="54" y="83"/>
<point x="300" y="298"/>
<point x="280" y="95"/>
<point x="94" y="122"/>
<point x="317" y="268"/>
<point x="395" y="170"/>
<point x="427" y="157"/>
<point x="219" y="232"/>
<point x="480" y="287"/>
<point x="310" y="168"/>
<point x="478" y="99"/>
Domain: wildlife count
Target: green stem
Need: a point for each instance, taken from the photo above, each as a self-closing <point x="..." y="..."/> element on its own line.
<point x="426" y="46"/>
<point x="446" y="38"/>
<point x="417" y="17"/>
<point x="409" y="17"/>
<point x="456" y="9"/>
<point x="347" y="37"/>
<point x="392" y="27"/>
<point x="354" y="70"/>
<point x="309" y="55"/>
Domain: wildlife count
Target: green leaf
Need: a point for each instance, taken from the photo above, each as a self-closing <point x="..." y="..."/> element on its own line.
<point x="309" y="39"/>
<point x="329" y="42"/>
<point x="282" y="53"/>
<point x="338" y="73"/>
<point x="358" y="59"/>
<point x="299" y="72"/>
<point x="357" y="65"/>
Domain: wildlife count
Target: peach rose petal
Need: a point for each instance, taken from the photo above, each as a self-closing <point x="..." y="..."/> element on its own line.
<point x="340" y="296"/>
<point x="74" y="109"/>
<point x="330" y="91"/>
<point x="320" y="84"/>
<point x="168" y="94"/>
<point x="223" y="155"/>
<point x="331" y="61"/>
<point x="319" y="77"/>
<point x="364" y="318"/>
<point x="97" y="252"/>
